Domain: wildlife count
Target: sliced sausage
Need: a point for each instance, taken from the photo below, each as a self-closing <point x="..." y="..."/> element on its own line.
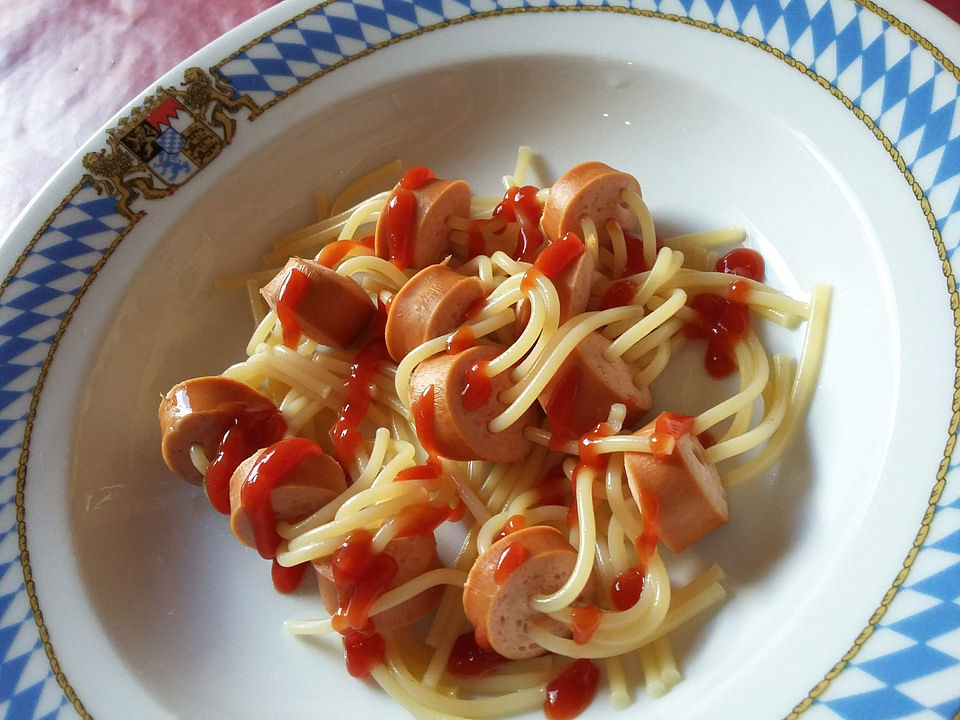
<point x="432" y="303"/>
<point x="599" y="383"/>
<point x="436" y="200"/>
<point x="332" y="310"/>
<point x="462" y="434"/>
<point x="306" y="488"/>
<point x="693" y="502"/>
<point x="573" y="290"/>
<point x="415" y="555"/>
<point x="591" y="189"/>
<point x="201" y="410"/>
<point x="500" y="611"/>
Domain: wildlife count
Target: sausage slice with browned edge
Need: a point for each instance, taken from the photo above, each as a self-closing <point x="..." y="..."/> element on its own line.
<point x="432" y="303"/>
<point x="201" y="410"/>
<point x="693" y="502"/>
<point x="596" y="383"/>
<point x="591" y="189"/>
<point x="430" y="237"/>
<point x="573" y="290"/>
<point x="415" y="555"/>
<point x="462" y="434"/>
<point x="332" y="310"/>
<point x="304" y="489"/>
<point x="500" y="611"/>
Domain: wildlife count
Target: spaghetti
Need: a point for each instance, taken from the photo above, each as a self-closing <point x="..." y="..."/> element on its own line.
<point x="550" y="315"/>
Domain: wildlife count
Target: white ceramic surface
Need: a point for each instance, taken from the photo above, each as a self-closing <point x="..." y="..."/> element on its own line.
<point x="156" y="612"/>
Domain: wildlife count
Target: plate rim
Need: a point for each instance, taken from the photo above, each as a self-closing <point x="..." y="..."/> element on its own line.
<point x="61" y="179"/>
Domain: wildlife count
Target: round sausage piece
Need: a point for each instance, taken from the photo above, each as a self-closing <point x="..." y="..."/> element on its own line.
<point x="501" y="612"/>
<point x="311" y="484"/>
<point x="693" y="502"/>
<point x="573" y="290"/>
<point x="599" y="384"/>
<point x="333" y="309"/>
<point x="436" y="200"/>
<point x="415" y="555"/>
<point x="201" y="410"/>
<point x="462" y="434"/>
<point x="432" y="303"/>
<point x="591" y="189"/>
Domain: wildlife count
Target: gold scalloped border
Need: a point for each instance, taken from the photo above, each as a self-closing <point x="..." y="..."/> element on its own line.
<point x="935" y="493"/>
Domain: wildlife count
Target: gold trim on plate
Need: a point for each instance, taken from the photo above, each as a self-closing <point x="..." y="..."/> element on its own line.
<point x="939" y="484"/>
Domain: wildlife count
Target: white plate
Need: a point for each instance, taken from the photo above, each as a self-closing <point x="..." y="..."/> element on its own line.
<point x="847" y="172"/>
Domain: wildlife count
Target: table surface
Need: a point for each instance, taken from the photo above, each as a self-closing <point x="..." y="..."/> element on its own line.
<point x="80" y="61"/>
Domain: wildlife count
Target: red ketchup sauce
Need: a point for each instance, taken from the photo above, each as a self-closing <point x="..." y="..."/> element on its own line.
<point x="513" y="523"/>
<point x="361" y="576"/>
<point x="723" y="322"/>
<point x="252" y="430"/>
<point x="571" y="691"/>
<point x="586" y="620"/>
<point x="478" y="387"/>
<point x="462" y="339"/>
<point x="619" y="294"/>
<point x="287" y="579"/>
<point x="477" y="232"/>
<point x="422" y="409"/>
<point x="626" y="588"/>
<point x="512" y="557"/>
<point x="667" y="431"/>
<point x="468" y="659"/>
<point x="399" y="215"/>
<point x="553" y="260"/>
<point x="636" y="263"/>
<point x="291" y="293"/>
<point x="589" y="458"/>
<point x="520" y="205"/>
<point x="367" y="362"/>
<point x="560" y="408"/>
<point x="554" y="488"/>
<point x="650" y="534"/>
<point x="267" y="474"/>
<point x="338" y="249"/>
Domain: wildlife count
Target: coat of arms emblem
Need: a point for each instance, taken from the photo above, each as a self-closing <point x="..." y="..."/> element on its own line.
<point x="160" y="146"/>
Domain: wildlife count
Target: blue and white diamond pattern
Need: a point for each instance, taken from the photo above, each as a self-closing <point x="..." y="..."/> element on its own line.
<point x="910" y="666"/>
<point x="171" y="141"/>
<point x="31" y="309"/>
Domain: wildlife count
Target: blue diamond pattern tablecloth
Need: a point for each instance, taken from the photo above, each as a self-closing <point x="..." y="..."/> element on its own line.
<point x="910" y="666"/>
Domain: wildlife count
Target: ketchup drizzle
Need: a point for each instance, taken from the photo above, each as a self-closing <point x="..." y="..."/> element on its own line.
<point x="338" y="249"/>
<point x="512" y="557"/>
<point x="291" y="293"/>
<point x="462" y="339"/>
<point x="287" y="579"/>
<point x="513" y="523"/>
<point x="478" y="388"/>
<point x="560" y="408"/>
<point x="468" y="659"/>
<point x="268" y="473"/>
<point x="618" y="294"/>
<point x="723" y="322"/>
<point x="521" y="205"/>
<point x="367" y="362"/>
<point x="416" y="177"/>
<point x="252" y="430"/>
<point x="400" y="213"/>
<point x="586" y="620"/>
<point x="571" y="691"/>
<point x="361" y="576"/>
<point x="626" y="588"/>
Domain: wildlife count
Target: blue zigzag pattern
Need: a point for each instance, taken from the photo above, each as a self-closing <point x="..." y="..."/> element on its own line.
<point x="910" y="667"/>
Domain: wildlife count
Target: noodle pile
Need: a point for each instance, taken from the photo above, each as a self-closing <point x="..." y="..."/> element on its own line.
<point x="753" y="427"/>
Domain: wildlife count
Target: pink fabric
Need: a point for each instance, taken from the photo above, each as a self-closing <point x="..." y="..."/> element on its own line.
<point x="66" y="66"/>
